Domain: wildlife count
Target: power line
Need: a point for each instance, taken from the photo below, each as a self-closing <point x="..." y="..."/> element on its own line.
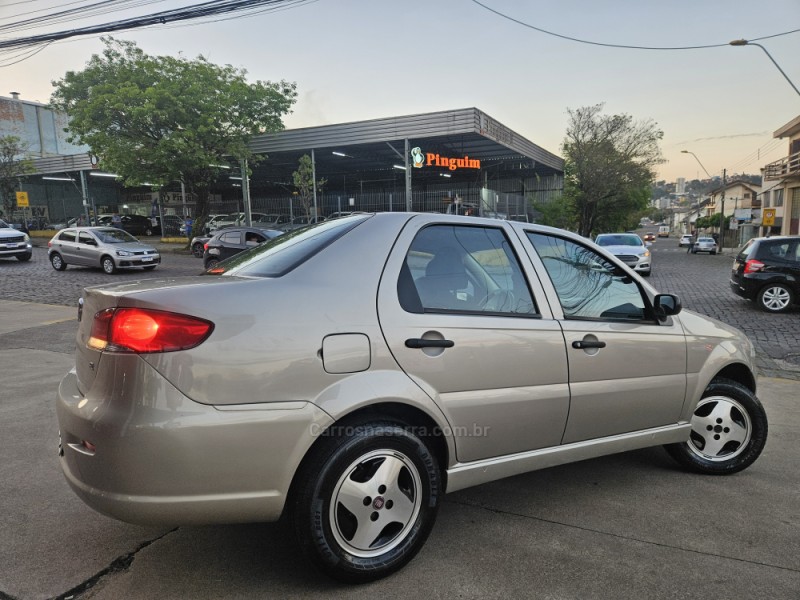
<point x="624" y="46"/>
<point x="197" y="11"/>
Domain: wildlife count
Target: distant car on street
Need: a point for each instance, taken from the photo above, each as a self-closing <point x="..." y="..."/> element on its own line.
<point x="629" y="248"/>
<point x="233" y="240"/>
<point x="705" y="244"/>
<point x="14" y="243"/>
<point x="686" y="240"/>
<point x="649" y="237"/>
<point x="109" y="248"/>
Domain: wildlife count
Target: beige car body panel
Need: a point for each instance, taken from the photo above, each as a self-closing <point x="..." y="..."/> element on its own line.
<point x="215" y="434"/>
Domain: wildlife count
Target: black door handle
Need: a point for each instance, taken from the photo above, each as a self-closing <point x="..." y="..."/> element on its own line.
<point x="583" y="345"/>
<point x="423" y="343"/>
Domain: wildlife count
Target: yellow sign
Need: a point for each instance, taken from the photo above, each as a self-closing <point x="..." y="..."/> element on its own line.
<point x="769" y="217"/>
<point x="22" y="200"/>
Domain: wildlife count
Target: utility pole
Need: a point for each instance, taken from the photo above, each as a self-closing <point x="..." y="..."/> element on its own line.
<point x="722" y="214"/>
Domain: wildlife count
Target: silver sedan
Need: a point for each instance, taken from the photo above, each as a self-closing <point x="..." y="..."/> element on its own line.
<point x="351" y="373"/>
<point x="105" y="247"/>
<point x="705" y="244"/>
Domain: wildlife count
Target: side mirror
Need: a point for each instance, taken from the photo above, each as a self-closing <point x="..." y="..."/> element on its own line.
<point x="666" y="305"/>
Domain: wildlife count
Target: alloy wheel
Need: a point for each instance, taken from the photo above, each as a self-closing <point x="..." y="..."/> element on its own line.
<point x="775" y="298"/>
<point x="375" y="503"/>
<point x="721" y="429"/>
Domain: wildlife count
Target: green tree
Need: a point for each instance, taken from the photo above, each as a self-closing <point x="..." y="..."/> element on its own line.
<point x="162" y="119"/>
<point x="609" y="168"/>
<point x="304" y="182"/>
<point x="13" y="165"/>
<point x="556" y="213"/>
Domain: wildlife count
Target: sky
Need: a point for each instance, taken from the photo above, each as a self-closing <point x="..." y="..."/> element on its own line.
<point x="364" y="59"/>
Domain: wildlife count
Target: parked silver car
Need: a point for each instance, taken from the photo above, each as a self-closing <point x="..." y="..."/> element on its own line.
<point x="106" y="247"/>
<point x="353" y="372"/>
<point x="705" y="244"/>
<point x="630" y="249"/>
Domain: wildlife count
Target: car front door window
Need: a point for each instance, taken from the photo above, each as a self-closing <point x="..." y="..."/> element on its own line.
<point x="587" y="284"/>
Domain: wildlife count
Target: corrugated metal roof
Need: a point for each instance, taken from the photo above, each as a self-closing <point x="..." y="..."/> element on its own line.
<point x="60" y="164"/>
<point x="480" y="136"/>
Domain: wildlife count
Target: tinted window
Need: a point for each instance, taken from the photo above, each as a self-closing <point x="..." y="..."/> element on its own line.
<point x="464" y="269"/>
<point x="284" y="253"/>
<point x="67" y="236"/>
<point x="588" y="286"/>
<point x="85" y="238"/>
<point x="776" y="250"/>
<point x="233" y="237"/>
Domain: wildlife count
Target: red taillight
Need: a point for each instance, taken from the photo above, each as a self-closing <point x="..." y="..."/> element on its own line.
<point x="753" y="266"/>
<point x="49" y="243"/>
<point x="144" y="330"/>
<point x="205" y="246"/>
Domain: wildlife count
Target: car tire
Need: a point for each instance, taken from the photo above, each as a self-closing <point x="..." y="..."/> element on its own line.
<point x="775" y="298"/>
<point x="729" y="431"/>
<point x="148" y="232"/>
<point x="57" y="261"/>
<point x="24" y="257"/>
<point x="108" y="265"/>
<point x="365" y="501"/>
<point x="197" y="250"/>
<point x="211" y="263"/>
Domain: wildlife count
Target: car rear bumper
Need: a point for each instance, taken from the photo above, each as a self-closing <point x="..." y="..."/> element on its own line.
<point x="142" y="452"/>
<point x="746" y="286"/>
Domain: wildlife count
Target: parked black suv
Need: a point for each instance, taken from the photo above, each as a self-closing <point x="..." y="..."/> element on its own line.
<point x="767" y="270"/>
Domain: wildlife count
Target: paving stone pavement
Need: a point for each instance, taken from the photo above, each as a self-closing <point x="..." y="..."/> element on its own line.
<point x="700" y="280"/>
<point x="702" y="283"/>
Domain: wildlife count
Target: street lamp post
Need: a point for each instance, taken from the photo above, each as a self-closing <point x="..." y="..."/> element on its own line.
<point x="698" y="162"/>
<point x="746" y="43"/>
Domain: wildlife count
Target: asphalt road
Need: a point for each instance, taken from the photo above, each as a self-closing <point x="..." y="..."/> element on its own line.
<point x="632" y="525"/>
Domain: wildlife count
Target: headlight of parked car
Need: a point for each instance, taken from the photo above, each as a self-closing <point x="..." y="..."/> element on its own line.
<point x="124" y="253"/>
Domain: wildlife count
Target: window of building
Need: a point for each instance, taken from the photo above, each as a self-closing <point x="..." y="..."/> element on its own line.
<point x="777" y="197"/>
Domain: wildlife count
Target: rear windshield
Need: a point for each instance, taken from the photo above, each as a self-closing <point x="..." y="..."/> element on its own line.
<point x="280" y="255"/>
<point x="748" y="248"/>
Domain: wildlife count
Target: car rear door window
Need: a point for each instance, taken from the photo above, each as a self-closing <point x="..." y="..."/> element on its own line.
<point x="465" y="269"/>
<point x="587" y="284"/>
<point x="67" y="236"/>
<point x="232" y="237"/>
